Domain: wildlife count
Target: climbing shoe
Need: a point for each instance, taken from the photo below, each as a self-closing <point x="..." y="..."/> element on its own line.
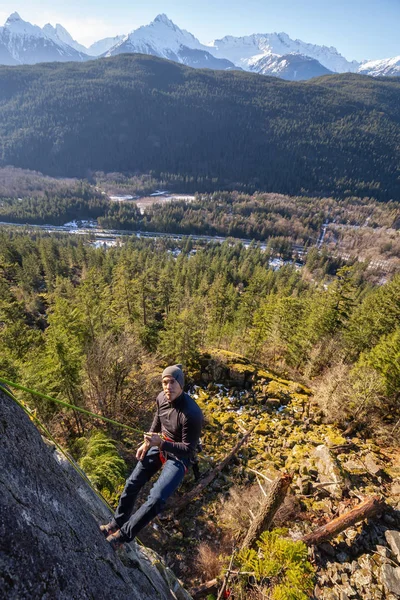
<point x="108" y="529"/>
<point x="115" y="540"/>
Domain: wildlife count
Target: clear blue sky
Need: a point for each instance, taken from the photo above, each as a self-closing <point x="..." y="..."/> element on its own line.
<point x="359" y="29"/>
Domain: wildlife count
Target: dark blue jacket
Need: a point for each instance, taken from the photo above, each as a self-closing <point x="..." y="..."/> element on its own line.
<point x="181" y="421"/>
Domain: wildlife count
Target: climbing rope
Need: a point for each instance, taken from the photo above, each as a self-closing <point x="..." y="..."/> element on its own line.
<point x="67" y="405"/>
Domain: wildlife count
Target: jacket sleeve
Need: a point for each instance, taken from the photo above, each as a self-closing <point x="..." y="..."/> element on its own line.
<point x="156" y="424"/>
<point x="191" y="430"/>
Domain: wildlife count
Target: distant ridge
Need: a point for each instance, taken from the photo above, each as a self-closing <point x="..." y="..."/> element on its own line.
<point x="274" y="54"/>
<point x="334" y="135"/>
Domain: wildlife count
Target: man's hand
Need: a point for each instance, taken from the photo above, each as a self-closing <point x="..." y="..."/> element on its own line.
<point x="141" y="451"/>
<point x="153" y="439"/>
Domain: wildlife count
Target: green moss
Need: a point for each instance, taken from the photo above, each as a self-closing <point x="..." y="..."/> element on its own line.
<point x="228" y="357"/>
<point x="333" y="437"/>
<point x="242" y="368"/>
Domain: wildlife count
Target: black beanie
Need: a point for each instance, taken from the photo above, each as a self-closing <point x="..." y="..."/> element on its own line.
<point x="176" y="372"/>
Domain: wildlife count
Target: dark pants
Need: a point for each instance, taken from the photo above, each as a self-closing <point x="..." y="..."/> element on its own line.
<point x="169" y="480"/>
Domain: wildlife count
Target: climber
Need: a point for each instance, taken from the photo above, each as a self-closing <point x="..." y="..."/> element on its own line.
<point x="169" y="445"/>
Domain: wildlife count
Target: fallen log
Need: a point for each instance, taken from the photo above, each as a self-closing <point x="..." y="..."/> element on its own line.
<point x="365" y="510"/>
<point x="178" y="505"/>
<point x="270" y="505"/>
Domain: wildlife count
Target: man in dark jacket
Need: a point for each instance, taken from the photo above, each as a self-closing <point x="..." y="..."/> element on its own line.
<point x="169" y="445"/>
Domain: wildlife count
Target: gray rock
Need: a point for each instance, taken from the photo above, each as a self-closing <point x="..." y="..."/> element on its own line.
<point x="383" y="551"/>
<point x="351" y="534"/>
<point x="50" y="543"/>
<point x="347" y="590"/>
<point x="318" y="593"/>
<point x="342" y="557"/>
<point x="373" y="464"/>
<point x="304" y="485"/>
<point x="354" y="466"/>
<point x="362" y="578"/>
<point x="393" y="539"/>
<point x="391" y="578"/>
<point x="375" y="593"/>
<point x="328" y="471"/>
<point x="365" y="562"/>
<point x="330" y="595"/>
<point x="354" y="567"/>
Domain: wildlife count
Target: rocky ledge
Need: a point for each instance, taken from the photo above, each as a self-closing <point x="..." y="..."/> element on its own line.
<point x="50" y="544"/>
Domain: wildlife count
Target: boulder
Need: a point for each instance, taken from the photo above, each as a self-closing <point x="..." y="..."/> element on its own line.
<point x="328" y="471"/>
<point x="391" y="578"/>
<point x="373" y="464"/>
<point x="393" y="539"/>
<point x="50" y="543"/>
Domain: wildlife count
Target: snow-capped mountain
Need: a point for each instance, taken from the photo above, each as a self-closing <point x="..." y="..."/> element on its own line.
<point x="268" y="54"/>
<point x="387" y="67"/>
<point x="293" y="67"/>
<point x="29" y="44"/>
<point x="59" y="34"/>
<point x="248" y="50"/>
<point x="102" y="46"/>
<point x="161" y="37"/>
<point x="165" y="39"/>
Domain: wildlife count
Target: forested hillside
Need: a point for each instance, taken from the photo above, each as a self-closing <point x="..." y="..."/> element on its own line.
<point x="91" y="320"/>
<point x="337" y="135"/>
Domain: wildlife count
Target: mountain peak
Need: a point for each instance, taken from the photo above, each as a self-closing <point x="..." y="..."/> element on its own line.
<point x="162" y="18"/>
<point x="13" y="18"/>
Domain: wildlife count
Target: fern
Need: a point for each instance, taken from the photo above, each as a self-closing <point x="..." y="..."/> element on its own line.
<point x="280" y="567"/>
<point x="103" y="465"/>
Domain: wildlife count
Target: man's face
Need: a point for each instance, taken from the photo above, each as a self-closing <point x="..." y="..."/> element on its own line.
<point x="171" y="388"/>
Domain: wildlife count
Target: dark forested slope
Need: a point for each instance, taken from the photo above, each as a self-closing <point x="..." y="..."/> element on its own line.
<point x="337" y="135"/>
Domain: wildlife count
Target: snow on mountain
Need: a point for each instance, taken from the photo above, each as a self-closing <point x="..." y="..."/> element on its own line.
<point x="248" y="50"/>
<point x="104" y="45"/>
<point x="29" y="44"/>
<point x="293" y="67"/>
<point x="165" y="39"/>
<point x="256" y="52"/>
<point x="161" y="37"/>
<point x="60" y="34"/>
<point x="387" y="67"/>
<point x="268" y="54"/>
<point x="16" y="26"/>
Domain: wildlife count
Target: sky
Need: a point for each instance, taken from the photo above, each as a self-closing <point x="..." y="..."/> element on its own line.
<point x="359" y="29"/>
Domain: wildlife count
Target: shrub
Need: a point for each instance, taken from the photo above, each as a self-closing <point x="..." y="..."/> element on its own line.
<point x="279" y="569"/>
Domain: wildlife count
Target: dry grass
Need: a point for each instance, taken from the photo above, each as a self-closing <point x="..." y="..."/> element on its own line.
<point x="236" y="511"/>
<point x="209" y="562"/>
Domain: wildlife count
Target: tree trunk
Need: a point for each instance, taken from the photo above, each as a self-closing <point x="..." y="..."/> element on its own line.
<point x="367" y="509"/>
<point x="197" y="490"/>
<point x="272" y="502"/>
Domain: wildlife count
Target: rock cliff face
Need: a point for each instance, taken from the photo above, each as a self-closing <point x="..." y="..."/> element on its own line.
<point x="50" y="544"/>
